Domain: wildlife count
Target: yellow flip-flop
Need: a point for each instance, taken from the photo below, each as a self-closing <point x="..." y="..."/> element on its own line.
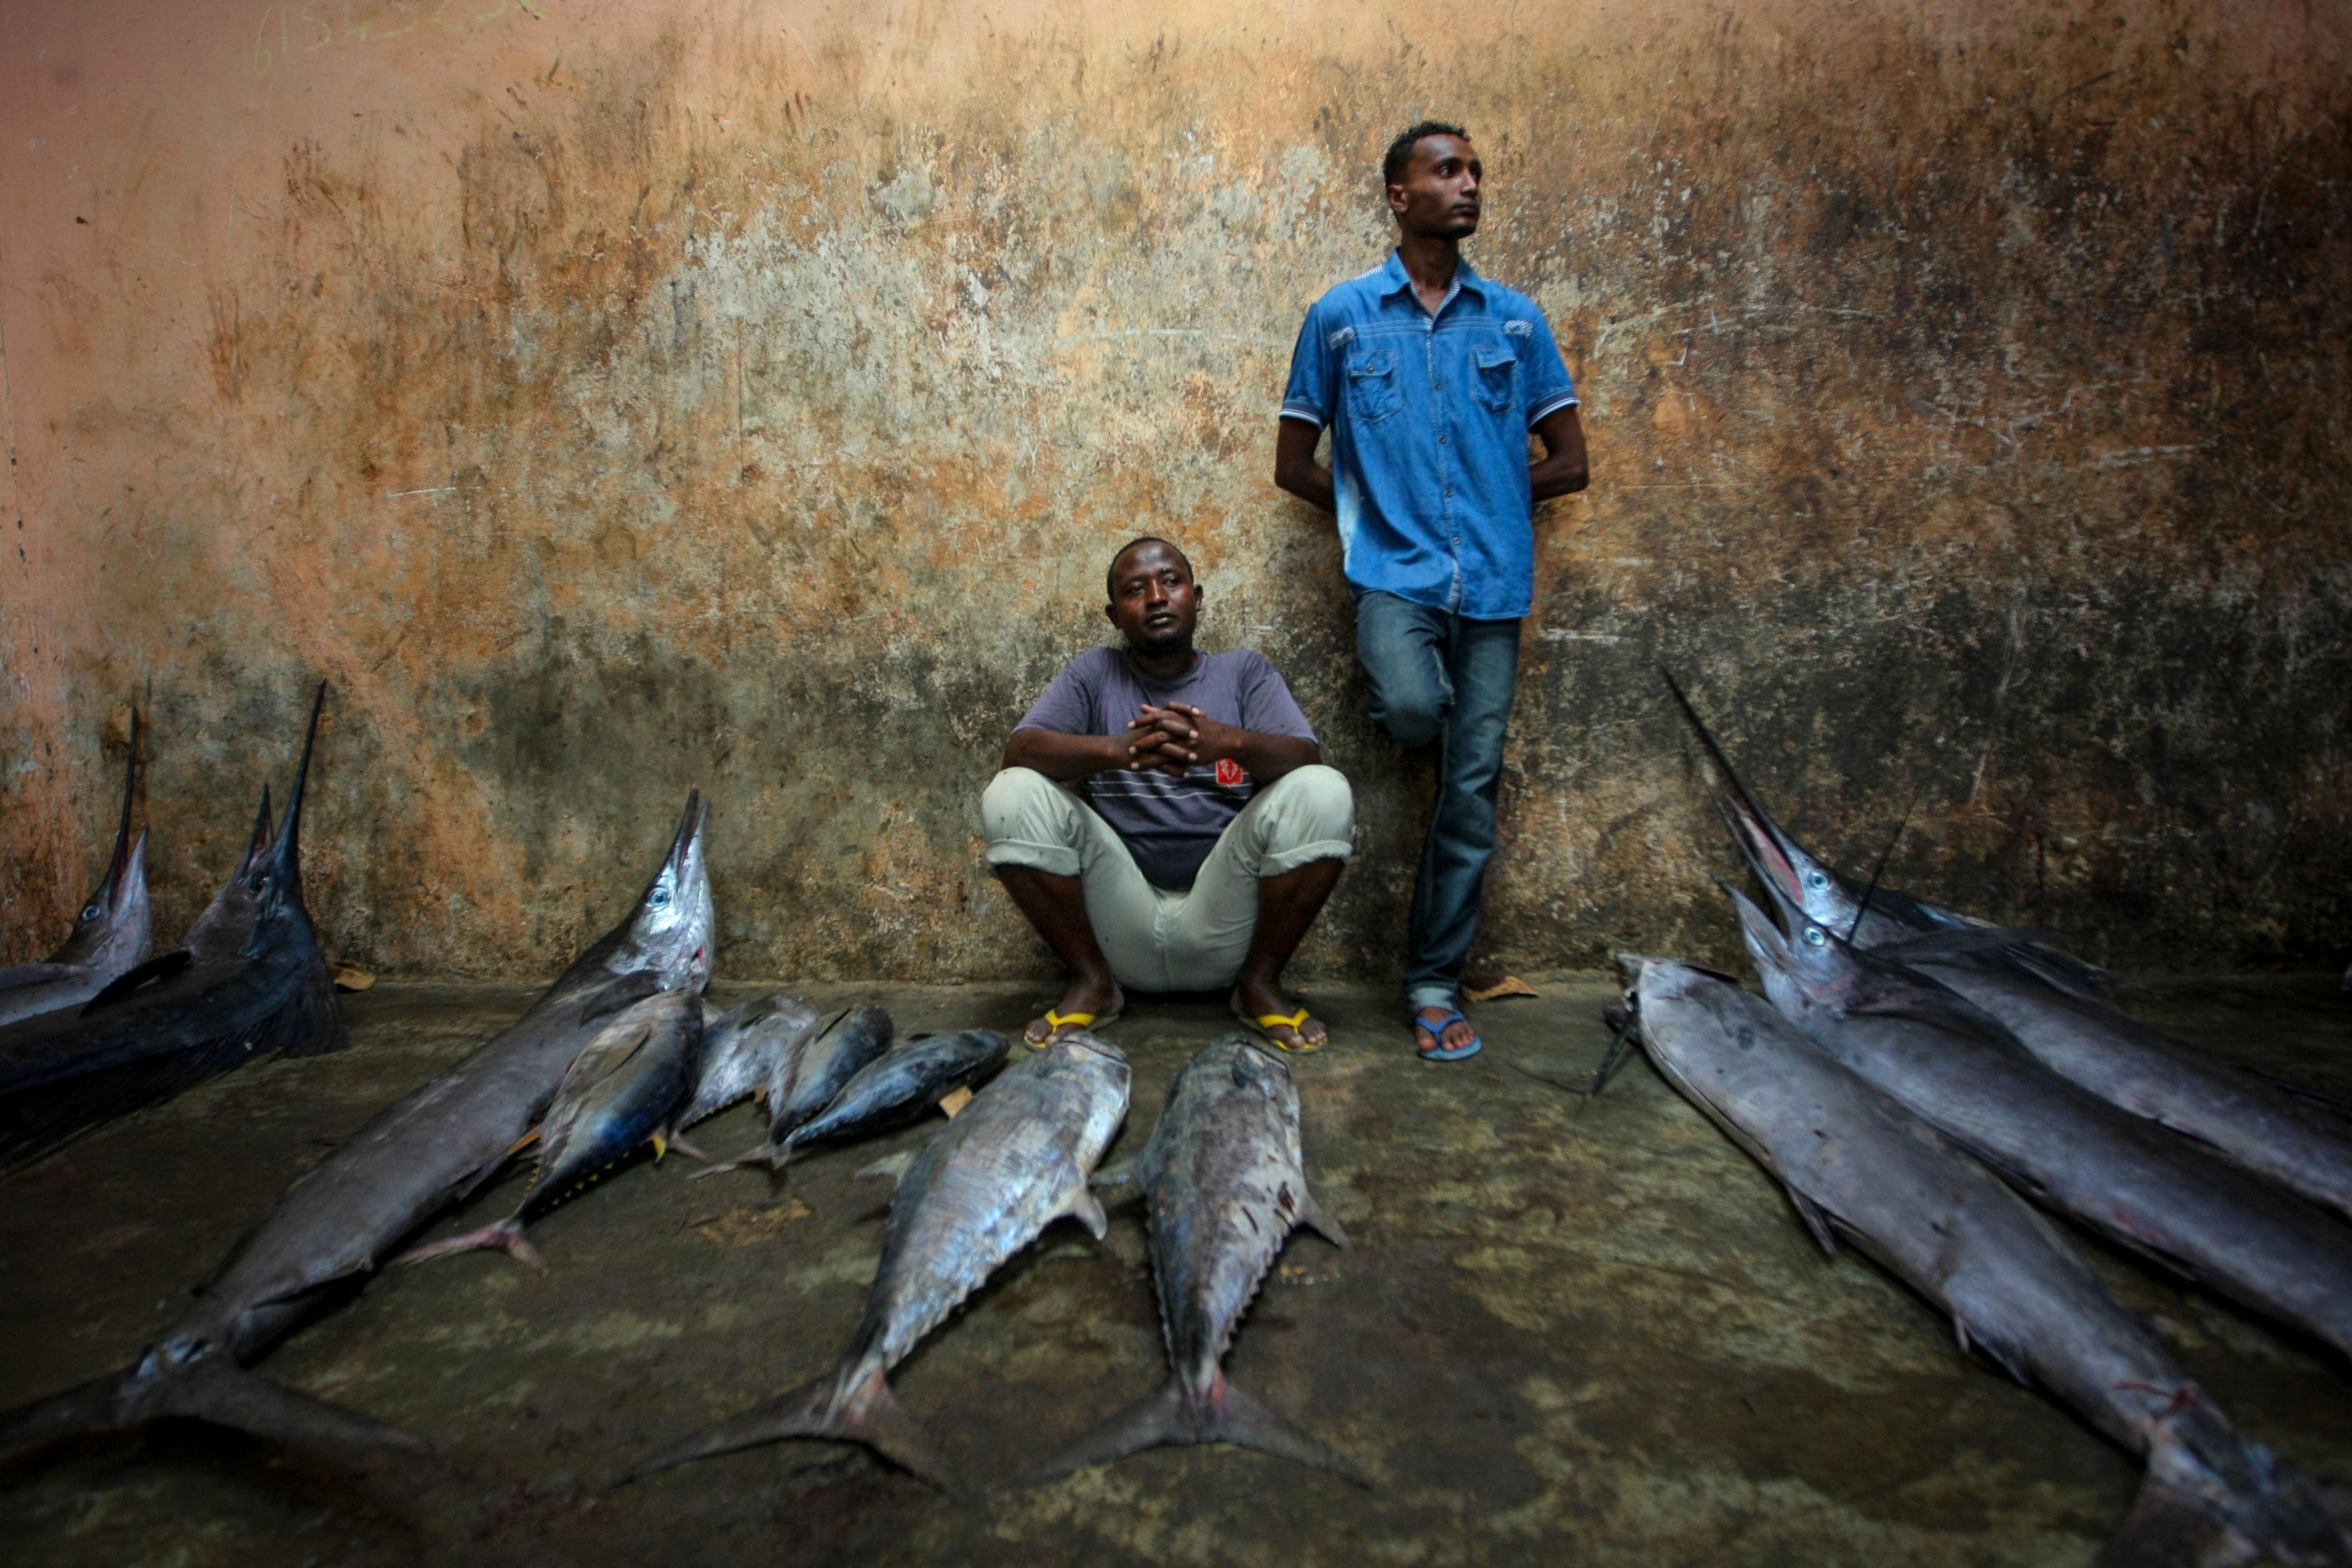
<point x="1295" y="1022"/>
<point x="1058" y="1022"/>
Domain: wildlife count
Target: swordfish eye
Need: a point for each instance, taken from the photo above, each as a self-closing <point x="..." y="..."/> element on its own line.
<point x="660" y="900"/>
<point x="90" y="911"/>
<point x="1817" y="879"/>
<point x="1815" y="937"/>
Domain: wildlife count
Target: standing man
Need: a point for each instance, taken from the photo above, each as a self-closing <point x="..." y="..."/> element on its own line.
<point x="1431" y="379"/>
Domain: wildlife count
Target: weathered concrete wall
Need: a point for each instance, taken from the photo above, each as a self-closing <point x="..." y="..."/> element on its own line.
<point x="612" y="397"/>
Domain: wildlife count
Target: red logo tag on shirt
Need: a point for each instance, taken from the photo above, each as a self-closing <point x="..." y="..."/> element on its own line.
<point x="1229" y="771"/>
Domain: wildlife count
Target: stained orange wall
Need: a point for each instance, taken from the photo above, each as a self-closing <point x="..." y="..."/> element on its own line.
<point x="610" y="398"/>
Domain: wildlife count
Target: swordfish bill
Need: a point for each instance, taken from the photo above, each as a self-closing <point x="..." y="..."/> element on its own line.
<point x="1859" y="1166"/>
<point x="1890" y="914"/>
<point x="112" y="934"/>
<point x="1017" y="1160"/>
<point x="340" y="1218"/>
<point x="181" y="1019"/>
<point x="1224" y="1176"/>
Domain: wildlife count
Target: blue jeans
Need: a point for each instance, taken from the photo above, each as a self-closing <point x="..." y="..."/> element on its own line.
<point x="1443" y="678"/>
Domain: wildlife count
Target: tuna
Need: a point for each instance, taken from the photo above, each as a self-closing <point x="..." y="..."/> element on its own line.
<point x="335" y="1221"/>
<point x="893" y="1088"/>
<point x="113" y="932"/>
<point x="1017" y="1160"/>
<point x="1857" y="1166"/>
<point x="742" y="1050"/>
<point x="621" y="1092"/>
<point x="180" y="1018"/>
<point x="2297" y="1140"/>
<point x="1226" y="1180"/>
<point x="2149" y="1189"/>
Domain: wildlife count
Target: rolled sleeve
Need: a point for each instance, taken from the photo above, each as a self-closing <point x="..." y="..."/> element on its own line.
<point x="1549" y="388"/>
<point x="1308" y="396"/>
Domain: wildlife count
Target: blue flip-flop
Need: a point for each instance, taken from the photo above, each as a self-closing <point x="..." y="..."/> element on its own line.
<point x="1437" y="1027"/>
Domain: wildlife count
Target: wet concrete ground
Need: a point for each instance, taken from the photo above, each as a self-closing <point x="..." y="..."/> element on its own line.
<point x="1599" y="1338"/>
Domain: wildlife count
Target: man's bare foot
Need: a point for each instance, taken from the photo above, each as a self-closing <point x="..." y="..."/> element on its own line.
<point x="1255" y="999"/>
<point x="1100" y="1000"/>
<point x="1456" y="1034"/>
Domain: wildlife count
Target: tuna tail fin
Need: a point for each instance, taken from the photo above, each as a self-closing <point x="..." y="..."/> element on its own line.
<point x="1166" y="1418"/>
<point x="2195" y="1514"/>
<point x="866" y="1413"/>
<point x="222" y="1395"/>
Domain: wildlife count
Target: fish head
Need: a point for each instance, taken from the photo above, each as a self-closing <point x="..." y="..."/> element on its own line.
<point x="115" y="929"/>
<point x="667" y="931"/>
<point x="273" y="878"/>
<point x="1255" y="1066"/>
<point x="226" y="922"/>
<point x="1803" y="965"/>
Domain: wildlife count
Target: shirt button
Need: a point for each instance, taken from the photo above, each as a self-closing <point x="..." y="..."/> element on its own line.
<point x="1449" y="490"/>
<point x="1438" y="385"/>
<point x="1441" y="440"/>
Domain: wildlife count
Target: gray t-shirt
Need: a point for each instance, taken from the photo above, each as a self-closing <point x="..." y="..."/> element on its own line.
<point x="1169" y="824"/>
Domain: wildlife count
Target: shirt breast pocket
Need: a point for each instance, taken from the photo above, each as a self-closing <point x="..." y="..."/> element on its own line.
<point x="1373" y="391"/>
<point x="1496" y="382"/>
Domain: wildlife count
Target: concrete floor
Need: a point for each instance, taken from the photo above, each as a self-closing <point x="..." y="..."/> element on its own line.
<point x="1599" y="1338"/>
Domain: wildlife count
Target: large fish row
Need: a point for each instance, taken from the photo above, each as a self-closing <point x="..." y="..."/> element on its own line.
<point x="1914" y="1064"/>
<point x="621" y="1051"/>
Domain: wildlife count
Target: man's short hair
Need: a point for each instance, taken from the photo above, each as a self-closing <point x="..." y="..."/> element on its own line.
<point x="1111" y="578"/>
<point x="1392" y="167"/>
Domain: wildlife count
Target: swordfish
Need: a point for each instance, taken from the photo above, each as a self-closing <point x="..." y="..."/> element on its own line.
<point x="2048" y="1000"/>
<point x="338" y="1219"/>
<point x="112" y="934"/>
<point x="1225" y="1178"/>
<point x="1016" y="1160"/>
<point x="180" y="1018"/>
<point x="1856" y="1164"/>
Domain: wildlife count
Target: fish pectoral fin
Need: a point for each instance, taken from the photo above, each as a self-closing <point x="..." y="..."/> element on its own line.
<point x="689" y="1150"/>
<point x="1119" y="1175"/>
<point x="894" y="1166"/>
<point x="1317" y="1218"/>
<point x="1087" y="1209"/>
<point x="1815" y="1221"/>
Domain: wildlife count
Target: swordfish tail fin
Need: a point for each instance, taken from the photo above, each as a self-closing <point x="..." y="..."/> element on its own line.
<point x="1165" y="1418"/>
<point x="864" y="1412"/>
<point x="221" y="1394"/>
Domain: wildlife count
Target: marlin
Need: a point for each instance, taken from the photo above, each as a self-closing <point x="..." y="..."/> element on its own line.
<point x="1860" y="1167"/>
<point x="113" y="932"/>
<point x="1017" y="1160"/>
<point x="1225" y="1178"/>
<point x="337" y="1219"/>
<point x="183" y="1016"/>
<point x="2045" y="1000"/>
<point x="2147" y="1189"/>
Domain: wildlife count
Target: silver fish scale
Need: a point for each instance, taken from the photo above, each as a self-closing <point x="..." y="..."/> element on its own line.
<point x="1015" y="1159"/>
<point x="1225" y="1177"/>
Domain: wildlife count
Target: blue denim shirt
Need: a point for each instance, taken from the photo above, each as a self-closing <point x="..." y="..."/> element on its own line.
<point x="1429" y="419"/>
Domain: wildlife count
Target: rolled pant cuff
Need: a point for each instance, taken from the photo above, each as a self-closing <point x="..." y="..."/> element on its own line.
<point x="1274" y="864"/>
<point x="1446" y="996"/>
<point x="1054" y="859"/>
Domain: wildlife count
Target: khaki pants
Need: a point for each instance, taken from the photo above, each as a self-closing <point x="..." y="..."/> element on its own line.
<point x="1155" y="938"/>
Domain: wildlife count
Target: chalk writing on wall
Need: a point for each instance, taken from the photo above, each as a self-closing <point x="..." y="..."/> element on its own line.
<point x="285" y="34"/>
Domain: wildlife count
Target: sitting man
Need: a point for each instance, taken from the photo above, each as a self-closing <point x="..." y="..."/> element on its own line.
<point x="1211" y="832"/>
